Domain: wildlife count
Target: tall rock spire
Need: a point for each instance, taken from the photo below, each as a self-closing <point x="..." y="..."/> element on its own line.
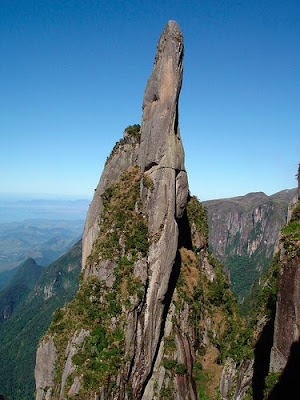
<point x="160" y="140"/>
<point x="161" y="158"/>
<point x="131" y="261"/>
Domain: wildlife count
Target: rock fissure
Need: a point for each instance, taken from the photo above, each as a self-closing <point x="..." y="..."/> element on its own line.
<point x="141" y="306"/>
<point x="167" y="301"/>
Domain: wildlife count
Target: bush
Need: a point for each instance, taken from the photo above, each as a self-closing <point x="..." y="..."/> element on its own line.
<point x="134" y="130"/>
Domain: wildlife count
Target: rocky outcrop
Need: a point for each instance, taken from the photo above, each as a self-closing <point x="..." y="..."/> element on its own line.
<point x="124" y="155"/>
<point x="147" y="307"/>
<point x="287" y="320"/>
<point x="236" y="379"/>
<point x="44" y="370"/>
<point x="162" y="182"/>
<point x="244" y="232"/>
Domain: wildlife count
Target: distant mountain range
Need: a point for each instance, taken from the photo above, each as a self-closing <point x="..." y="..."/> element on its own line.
<point x="17" y="210"/>
<point x="42" y="239"/>
<point x="244" y="231"/>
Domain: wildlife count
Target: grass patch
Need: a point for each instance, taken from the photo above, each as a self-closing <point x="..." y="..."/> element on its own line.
<point x="123" y="226"/>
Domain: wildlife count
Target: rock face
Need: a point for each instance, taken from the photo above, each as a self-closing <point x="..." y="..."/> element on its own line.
<point x="142" y="318"/>
<point x="161" y="158"/>
<point x="44" y="372"/>
<point x="244" y="231"/>
<point x="236" y="379"/>
<point x="287" y="320"/>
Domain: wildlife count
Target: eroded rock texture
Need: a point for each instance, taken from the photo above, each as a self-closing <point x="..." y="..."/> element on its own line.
<point x="161" y="158"/>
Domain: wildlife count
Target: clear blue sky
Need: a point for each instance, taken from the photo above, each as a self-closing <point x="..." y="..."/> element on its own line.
<point x="73" y="74"/>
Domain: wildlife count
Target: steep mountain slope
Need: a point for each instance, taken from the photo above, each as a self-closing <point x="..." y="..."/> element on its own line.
<point x="22" y="282"/>
<point x="244" y="231"/>
<point x="19" y="335"/>
<point x="154" y="316"/>
<point x="5" y="277"/>
<point x="285" y="354"/>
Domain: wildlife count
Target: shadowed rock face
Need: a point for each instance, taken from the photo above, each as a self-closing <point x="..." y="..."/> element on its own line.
<point x="287" y="319"/>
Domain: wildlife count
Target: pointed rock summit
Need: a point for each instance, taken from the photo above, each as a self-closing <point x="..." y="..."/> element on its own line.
<point x="161" y="158"/>
<point x="160" y="140"/>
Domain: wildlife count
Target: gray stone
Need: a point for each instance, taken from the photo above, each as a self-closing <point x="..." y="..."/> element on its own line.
<point x="236" y="378"/>
<point x="74" y="345"/>
<point x="182" y="192"/>
<point x="162" y="156"/>
<point x="160" y="139"/>
<point x="44" y="369"/>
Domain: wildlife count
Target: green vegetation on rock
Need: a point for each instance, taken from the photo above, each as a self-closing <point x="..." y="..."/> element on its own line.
<point x="290" y="234"/>
<point x="198" y="215"/>
<point x="123" y="225"/>
<point x="99" y="309"/>
<point x="270" y="382"/>
<point x="133" y="132"/>
<point x="103" y="353"/>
